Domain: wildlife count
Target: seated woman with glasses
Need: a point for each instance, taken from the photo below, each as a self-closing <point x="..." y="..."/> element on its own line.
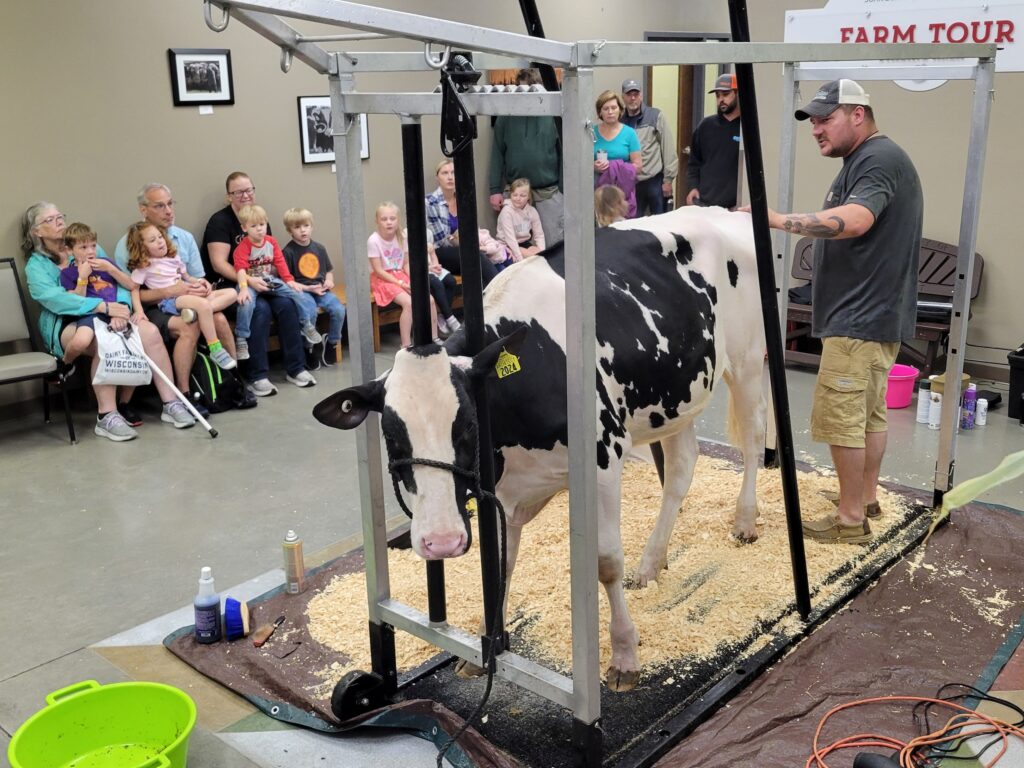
<point x="223" y="233"/>
<point x="46" y="254"/>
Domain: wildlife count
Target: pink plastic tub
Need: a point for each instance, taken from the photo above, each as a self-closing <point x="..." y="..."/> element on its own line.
<point x="901" y="386"/>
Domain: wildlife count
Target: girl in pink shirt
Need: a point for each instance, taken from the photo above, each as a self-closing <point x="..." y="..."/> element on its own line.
<point x="519" y="223"/>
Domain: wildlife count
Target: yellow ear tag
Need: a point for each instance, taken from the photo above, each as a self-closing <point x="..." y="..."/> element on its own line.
<point x="507" y="364"/>
<point x="471" y="505"/>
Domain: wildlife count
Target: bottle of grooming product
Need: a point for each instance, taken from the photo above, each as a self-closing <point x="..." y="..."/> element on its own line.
<point x="207" y="606"/>
<point x="294" y="567"/>
<point x="924" y="401"/>
<point x="969" y="407"/>
<point x="981" y="413"/>
<point x="935" y="411"/>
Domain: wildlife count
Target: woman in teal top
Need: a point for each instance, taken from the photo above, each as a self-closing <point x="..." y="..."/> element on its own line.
<point x="617" y="141"/>
<point x="42" y="230"/>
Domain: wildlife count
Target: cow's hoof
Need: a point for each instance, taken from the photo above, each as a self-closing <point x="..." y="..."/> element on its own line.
<point x="468" y="669"/>
<point x="620" y="680"/>
<point x="744" y="538"/>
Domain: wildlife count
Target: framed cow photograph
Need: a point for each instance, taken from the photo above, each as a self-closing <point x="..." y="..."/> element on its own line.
<point x="315" y="139"/>
<point x="201" y="76"/>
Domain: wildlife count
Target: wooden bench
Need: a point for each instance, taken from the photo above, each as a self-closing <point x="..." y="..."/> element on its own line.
<point x="390" y="314"/>
<point x="936" y="275"/>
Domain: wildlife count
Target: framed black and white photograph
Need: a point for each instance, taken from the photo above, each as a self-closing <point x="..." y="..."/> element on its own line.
<point x="201" y="76"/>
<point x="315" y="138"/>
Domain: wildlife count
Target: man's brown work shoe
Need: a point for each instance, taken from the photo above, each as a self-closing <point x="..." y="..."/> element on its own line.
<point x="872" y="510"/>
<point x="829" y="530"/>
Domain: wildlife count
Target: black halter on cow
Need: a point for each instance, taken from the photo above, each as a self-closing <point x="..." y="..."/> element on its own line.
<point x="678" y="311"/>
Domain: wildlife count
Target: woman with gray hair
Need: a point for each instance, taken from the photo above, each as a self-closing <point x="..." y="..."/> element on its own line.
<point x="46" y="254"/>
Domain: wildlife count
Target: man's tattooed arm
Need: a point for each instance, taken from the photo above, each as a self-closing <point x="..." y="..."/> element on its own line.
<point x="811" y="224"/>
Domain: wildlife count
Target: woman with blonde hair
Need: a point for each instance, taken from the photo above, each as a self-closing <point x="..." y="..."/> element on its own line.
<point x="443" y="224"/>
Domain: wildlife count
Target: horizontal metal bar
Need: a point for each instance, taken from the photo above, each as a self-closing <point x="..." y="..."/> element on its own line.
<point x="413" y="61"/>
<point x="278" y="32"/>
<point x="430" y="103"/>
<point x="510" y="666"/>
<point x="343" y="38"/>
<point x="916" y="69"/>
<point x="604" y="53"/>
<point x="413" y="26"/>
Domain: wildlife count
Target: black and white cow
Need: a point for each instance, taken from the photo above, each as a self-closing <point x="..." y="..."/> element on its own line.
<point x="678" y="311"/>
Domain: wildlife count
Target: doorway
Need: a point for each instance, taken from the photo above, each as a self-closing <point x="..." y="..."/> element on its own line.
<point x="681" y="93"/>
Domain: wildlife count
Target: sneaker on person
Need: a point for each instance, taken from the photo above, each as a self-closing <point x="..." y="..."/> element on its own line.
<point x="262" y="388"/>
<point x="331" y="352"/>
<point x="189" y="315"/>
<point x="310" y="334"/>
<point x="302" y="379"/>
<point x="223" y="359"/>
<point x="114" y="427"/>
<point x="241" y="348"/>
<point x="129" y="414"/>
<point x="177" y="414"/>
<point x="313" y="355"/>
<point x="830" y="530"/>
<point x="452" y="323"/>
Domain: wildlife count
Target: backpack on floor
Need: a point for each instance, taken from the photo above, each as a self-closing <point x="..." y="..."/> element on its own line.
<point x="217" y="390"/>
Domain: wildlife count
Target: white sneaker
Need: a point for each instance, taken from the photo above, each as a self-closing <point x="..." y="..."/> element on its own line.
<point x="302" y="379"/>
<point x="263" y="388"/>
<point x="177" y="414"/>
<point x="310" y="334"/>
<point x="241" y="348"/>
<point x="223" y="359"/>
<point x="453" y="324"/>
<point x="114" y="427"/>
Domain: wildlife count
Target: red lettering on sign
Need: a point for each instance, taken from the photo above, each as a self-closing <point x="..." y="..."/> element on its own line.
<point x="956" y="32"/>
<point x="1004" y="31"/>
<point x="862" y="35"/>
<point x="844" y="34"/>
<point x="936" y="29"/>
<point x="881" y="34"/>
<point x="903" y="35"/>
<point x="999" y="31"/>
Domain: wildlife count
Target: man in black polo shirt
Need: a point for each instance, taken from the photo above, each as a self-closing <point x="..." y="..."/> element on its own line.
<point x="715" y="150"/>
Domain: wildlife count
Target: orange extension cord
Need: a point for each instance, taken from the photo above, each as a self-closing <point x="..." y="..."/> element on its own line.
<point x="963" y="720"/>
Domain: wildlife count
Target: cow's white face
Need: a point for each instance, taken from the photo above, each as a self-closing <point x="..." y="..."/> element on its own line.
<point x="427" y="415"/>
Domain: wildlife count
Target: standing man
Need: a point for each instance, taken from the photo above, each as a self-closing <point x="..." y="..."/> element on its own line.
<point x="529" y="148"/>
<point x="864" y="294"/>
<point x="657" y="151"/>
<point x="715" y="150"/>
<point x="156" y="206"/>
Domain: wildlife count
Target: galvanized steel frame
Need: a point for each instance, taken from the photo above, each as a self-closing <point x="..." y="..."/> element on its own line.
<point x="497" y="48"/>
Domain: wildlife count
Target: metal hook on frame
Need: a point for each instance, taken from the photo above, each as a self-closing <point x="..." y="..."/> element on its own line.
<point x="208" y="16"/>
<point x="439" y="63"/>
<point x="286" y="59"/>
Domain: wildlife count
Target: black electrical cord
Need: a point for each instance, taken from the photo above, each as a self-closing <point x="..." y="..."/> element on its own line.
<point x="953" y="745"/>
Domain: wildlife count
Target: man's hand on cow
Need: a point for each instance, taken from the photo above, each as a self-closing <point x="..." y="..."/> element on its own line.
<point x="497" y="201"/>
<point x="775" y="220"/>
<point x="692" y="196"/>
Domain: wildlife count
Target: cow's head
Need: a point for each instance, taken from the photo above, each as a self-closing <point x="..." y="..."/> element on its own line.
<point x="427" y="413"/>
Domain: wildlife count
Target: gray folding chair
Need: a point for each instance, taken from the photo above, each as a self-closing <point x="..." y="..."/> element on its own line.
<point x="15" y="325"/>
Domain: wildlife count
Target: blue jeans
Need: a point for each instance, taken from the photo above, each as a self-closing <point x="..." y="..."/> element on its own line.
<point x="283" y="310"/>
<point x="330" y="304"/>
<point x="650" y="200"/>
<point x="277" y="287"/>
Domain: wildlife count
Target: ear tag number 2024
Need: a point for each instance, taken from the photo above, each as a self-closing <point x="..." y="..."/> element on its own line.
<point x="507" y="364"/>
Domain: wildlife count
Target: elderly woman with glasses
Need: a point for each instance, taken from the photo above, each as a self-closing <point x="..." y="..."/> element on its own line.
<point x="42" y="231"/>
<point x="223" y="233"/>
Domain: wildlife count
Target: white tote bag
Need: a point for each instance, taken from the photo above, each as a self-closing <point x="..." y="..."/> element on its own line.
<point x="122" y="361"/>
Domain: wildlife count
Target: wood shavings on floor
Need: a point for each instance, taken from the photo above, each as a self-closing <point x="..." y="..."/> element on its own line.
<point x="714" y="591"/>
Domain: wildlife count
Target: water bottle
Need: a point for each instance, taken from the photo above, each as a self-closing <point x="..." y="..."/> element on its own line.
<point x="935" y="411"/>
<point x="207" y="607"/>
<point x="969" y="407"/>
<point x="294" y="567"/>
<point x="924" y="401"/>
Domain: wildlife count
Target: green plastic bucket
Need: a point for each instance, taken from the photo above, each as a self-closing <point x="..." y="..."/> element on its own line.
<point x="122" y="725"/>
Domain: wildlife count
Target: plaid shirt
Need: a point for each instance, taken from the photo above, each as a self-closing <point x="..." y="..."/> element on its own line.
<point x="437" y="218"/>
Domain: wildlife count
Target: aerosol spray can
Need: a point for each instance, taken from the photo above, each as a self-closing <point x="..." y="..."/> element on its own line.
<point x="294" y="567"/>
<point x="924" y="402"/>
<point x="981" y="413"/>
<point x="935" y="411"/>
<point x="969" y="407"/>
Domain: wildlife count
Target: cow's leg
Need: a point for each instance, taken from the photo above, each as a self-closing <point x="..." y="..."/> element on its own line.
<point x="624" y="670"/>
<point x="746" y="430"/>
<point x="680" y="452"/>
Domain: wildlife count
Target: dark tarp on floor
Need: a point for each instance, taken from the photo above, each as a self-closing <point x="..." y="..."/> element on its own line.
<point x="956" y="618"/>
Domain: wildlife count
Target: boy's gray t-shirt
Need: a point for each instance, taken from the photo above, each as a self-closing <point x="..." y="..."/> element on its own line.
<point x="866" y="287"/>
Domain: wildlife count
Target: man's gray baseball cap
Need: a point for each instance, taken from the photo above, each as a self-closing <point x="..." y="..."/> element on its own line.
<point x="830" y="96"/>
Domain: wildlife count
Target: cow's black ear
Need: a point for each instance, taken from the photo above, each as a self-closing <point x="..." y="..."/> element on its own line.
<point x="348" y="408"/>
<point x="485" y="360"/>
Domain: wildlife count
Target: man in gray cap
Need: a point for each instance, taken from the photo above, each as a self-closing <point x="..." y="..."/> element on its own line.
<point x="864" y="294"/>
<point x="715" y="150"/>
<point x="657" y="151"/>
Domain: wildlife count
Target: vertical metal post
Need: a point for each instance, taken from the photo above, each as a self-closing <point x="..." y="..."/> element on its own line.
<point x="769" y="309"/>
<point x="980" y="110"/>
<point x="352" y="214"/>
<point x="422" y="333"/>
<point x="581" y="377"/>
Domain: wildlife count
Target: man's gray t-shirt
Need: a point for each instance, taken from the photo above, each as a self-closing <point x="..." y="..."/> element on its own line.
<point x="866" y="287"/>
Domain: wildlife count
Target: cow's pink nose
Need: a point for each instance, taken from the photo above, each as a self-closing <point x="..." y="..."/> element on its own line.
<point x="443" y="545"/>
